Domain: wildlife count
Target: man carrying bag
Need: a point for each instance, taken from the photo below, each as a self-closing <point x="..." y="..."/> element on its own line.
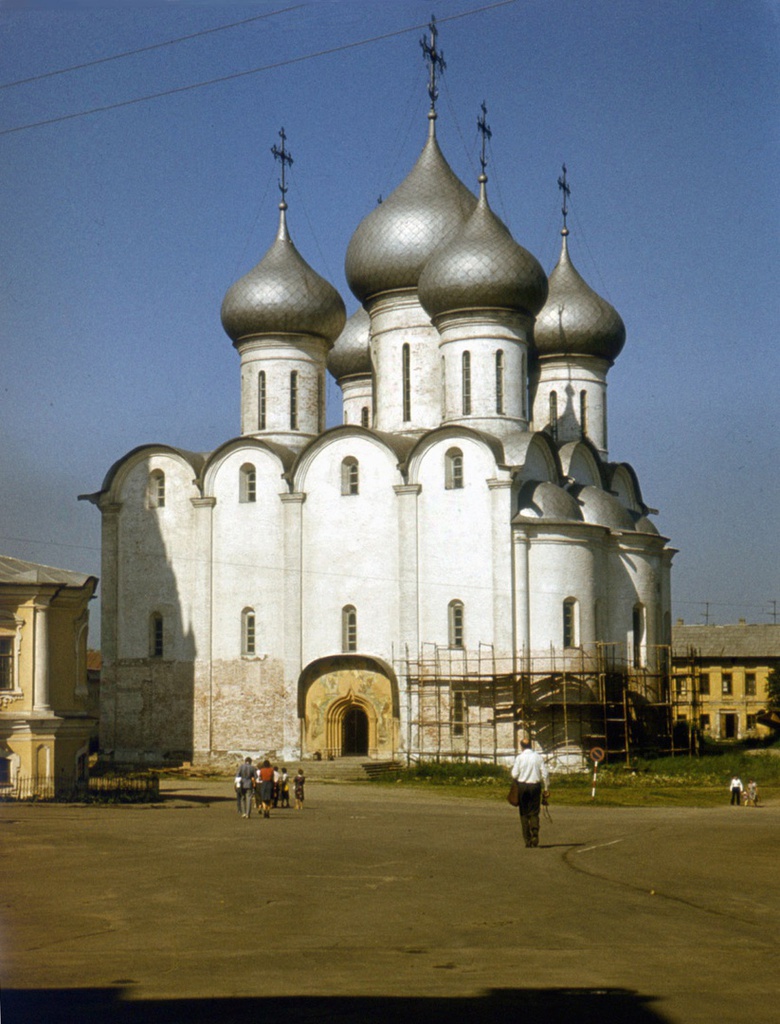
<point x="530" y="772"/>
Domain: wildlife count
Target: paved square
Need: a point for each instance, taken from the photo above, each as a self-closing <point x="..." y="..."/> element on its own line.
<point x="386" y="904"/>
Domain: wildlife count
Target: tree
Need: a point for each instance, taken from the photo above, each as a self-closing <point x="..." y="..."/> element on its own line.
<point x="773" y="688"/>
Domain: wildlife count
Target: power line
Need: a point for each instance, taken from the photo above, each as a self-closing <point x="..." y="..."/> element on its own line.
<point x="254" y="71"/>
<point x="146" y="49"/>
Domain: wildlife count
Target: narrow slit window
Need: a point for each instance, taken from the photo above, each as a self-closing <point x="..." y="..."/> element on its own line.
<point x="554" y="415"/>
<point x="453" y="469"/>
<point x="500" y="382"/>
<point x="458" y="713"/>
<point x="584" y="413"/>
<point x="350" y="476"/>
<point x="456" y="624"/>
<point x="261" y="401"/>
<point x="348" y="629"/>
<point x="294" y="400"/>
<point x="248" y="632"/>
<point x="248" y="483"/>
<point x="364" y="416"/>
<point x="156" y="636"/>
<point x="466" y="382"/>
<point x="406" y="373"/>
<point x="569" y="622"/>
<point x="156" y="489"/>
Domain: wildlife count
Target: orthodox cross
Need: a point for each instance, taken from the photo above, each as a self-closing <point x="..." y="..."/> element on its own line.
<point x="434" y="59"/>
<point x="563" y="185"/>
<point x="484" y="129"/>
<point x="284" y="157"/>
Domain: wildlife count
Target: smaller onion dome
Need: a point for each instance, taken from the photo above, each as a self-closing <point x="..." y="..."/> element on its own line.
<point x="282" y="295"/>
<point x="351" y="354"/>
<point x="483" y="267"/>
<point x="575" y="320"/>
<point x="393" y="243"/>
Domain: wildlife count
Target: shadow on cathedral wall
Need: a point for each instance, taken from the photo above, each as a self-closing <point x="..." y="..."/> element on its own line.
<point x="499" y="1006"/>
<point x="151" y="717"/>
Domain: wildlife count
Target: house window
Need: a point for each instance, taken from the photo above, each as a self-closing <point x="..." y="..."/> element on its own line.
<point x="294" y="400"/>
<point x="466" y="382"/>
<point x="247" y="484"/>
<point x="6" y="663"/>
<point x="5" y="771"/>
<point x="704" y="684"/>
<point x="453" y="469"/>
<point x="156" y="491"/>
<point x="727" y="684"/>
<point x="349" y="476"/>
<point x="406" y="383"/>
<point x="248" y="634"/>
<point x="500" y="382"/>
<point x="554" y="415"/>
<point x="638" y="635"/>
<point x="348" y="629"/>
<point x="364" y="416"/>
<point x="682" y="687"/>
<point x="751" y="722"/>
<point x="584" y="413"/>
<point x="458" y="713"/>
<point x="704" y="723"/>
<point x="456" y="623"/>
<point x="261" y="401"/>
<point x="750" y="684"/>
<point x="570" y="622"/>
<point x="156" y="645"/>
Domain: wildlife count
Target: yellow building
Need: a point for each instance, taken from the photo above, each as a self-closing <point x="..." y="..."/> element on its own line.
<point x="720" y="677"/>
<point x="44" y="722"/>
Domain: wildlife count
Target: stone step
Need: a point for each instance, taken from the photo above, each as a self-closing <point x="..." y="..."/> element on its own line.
<point x="345" y="769"/>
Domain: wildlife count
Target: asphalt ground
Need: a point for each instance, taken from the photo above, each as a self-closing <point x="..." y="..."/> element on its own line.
<point x="377" y="903"/>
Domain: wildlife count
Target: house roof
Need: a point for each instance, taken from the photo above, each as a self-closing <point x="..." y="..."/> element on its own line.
<point x="743" y="640"/>
<point x="15" y="570"/>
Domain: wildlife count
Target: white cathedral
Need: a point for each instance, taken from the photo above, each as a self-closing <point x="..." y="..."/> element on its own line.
<point x="386" y="588"/>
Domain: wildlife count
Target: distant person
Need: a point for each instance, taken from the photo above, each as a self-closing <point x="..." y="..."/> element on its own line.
<point x="266" y="775"/>
<point x="531" y="773"/>
<point x="298" y="784"/>
<point x="275" y="796"/>
<point x="245" y="780"/>
<point x="284" y="788"/>
<point x="751" y="794"/>
<point x="736" y="791"/>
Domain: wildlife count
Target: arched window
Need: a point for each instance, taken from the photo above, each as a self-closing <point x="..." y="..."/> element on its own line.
<point x="500" y="382"/>
<point x="584" y="413"/>
<point x="261" y="401"/>
<point x="456" y="624"/>
<point x="570" y="623"/>
<point x="156" y="637"/>
<point x="638" y="635"/>
<point x="406" y="382"/>
<point x="247" y="484"/>
<point x="348" y="629"/>
<point x="466" y="382"/>
<point x="248" y="634"/>
<point x="458" y="712"/>
<point x="156" y="489"/>
<point x="364" y="416"/>
<point x="554" y="415"/>
<point x="453" y="469"/>
<point x="294" y="400"/>
<point x="350" y="475"/>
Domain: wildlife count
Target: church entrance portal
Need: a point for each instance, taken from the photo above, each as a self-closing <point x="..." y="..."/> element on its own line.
<point x="354" y="730"/>
<point x="349" y="707"/>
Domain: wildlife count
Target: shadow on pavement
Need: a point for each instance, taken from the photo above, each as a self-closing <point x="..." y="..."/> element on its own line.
<point x="499" y="1006"/>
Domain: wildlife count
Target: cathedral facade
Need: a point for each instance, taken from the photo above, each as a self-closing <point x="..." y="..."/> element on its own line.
<point x="306" y="591"/>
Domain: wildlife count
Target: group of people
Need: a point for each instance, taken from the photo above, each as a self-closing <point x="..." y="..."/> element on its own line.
<point x="266" y="787"/>
<point x="743" y="795"/>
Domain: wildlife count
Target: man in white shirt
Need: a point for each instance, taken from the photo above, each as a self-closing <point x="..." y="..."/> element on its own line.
<point x="531" y="772"/>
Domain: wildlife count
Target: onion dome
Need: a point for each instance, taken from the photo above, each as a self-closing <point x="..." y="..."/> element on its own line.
<point x="351" y="354"/>
<point x="282" y="295"/>
<point x="483" y="267"/>
<point x="394" y="242"/>
<point x="575" y="320"/>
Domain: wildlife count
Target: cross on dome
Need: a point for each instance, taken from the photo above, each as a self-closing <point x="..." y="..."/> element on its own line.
<point x="286" y="160"/>
<point x="435" y="60"/>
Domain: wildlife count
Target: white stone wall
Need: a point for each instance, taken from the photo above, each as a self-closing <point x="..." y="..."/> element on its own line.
<point x="567" y="378"/>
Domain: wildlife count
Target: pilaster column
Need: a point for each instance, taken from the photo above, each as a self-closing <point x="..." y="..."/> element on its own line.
<point x="501" y="514"/>
<point x="293" y="584"/>
<point x="408" y="567"/>
<point x="41" y="694"/>
<point x="522" y="598"/>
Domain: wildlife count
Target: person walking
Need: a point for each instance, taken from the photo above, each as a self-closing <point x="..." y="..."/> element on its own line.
<point x="266" y="775"/>
<point x="284" y="788"/>
<point x="245" y="778"/>
<point x="531" y="774"/>
<point x="736" y="788"/>
<point x="298" y="784"/>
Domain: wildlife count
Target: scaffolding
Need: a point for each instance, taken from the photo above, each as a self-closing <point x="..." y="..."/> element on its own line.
<point x="477" y="705"/>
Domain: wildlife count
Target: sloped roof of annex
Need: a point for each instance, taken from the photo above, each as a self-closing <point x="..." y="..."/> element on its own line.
<point x="395" y="447"/>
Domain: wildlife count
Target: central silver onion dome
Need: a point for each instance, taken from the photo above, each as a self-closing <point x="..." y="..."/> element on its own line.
<point x="351" y="354"/>
<point x="282" y="295"/>
<point x="575" y="320"/>
<point x="483" y="267"/>
<point x="394" y="242"/>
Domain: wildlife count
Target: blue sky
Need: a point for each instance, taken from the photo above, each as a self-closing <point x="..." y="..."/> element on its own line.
<point x="123" y="229"/>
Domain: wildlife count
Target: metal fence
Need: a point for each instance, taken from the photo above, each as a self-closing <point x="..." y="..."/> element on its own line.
<point x="101" y="789"/>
